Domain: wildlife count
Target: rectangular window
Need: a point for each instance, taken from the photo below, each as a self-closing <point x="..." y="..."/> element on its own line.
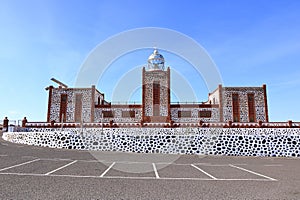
<point x="108" y="114"/>
<point x="63" y="107"/>
<point x="235" y="108"/>
<point x="78" y="108"/>
<point x="204" y="114"/>
<point x="251" y="108"/>
<point x="186" y="114"/>
<point x="128" y="114"/>
<point x="156" y="98"/>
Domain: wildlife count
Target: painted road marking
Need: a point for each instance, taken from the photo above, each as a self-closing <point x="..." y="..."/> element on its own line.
<point x="201" y="170"/>
<point x="274" y="165"/>
<point x="29" y="157"/>
<point x="107" y="169"/>
<point x="56" y="159"/>
<point x="155" y="170"/>
<point x="265" y="178"/>
<point x="19" y="164"/>
<point x="140" y="178"/>
<point x="141" y="162"/>
<point x="3" y="155"/>
<point x="69" y="159"/>
<point x="252" y="172"/>
<point x="61" y="167"/>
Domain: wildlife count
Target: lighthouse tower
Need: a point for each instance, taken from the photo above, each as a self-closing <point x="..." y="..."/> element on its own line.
<point x="156" y="90"/>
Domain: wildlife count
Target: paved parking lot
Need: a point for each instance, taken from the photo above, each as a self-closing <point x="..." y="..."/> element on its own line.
<point x="28" y="172"/>
<point x="31" y="166"/>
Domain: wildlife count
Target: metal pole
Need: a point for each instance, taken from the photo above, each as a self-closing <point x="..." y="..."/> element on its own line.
<point x="81" y="125"/>
<point x="62" y="122"/>
<point x="102" y="122"/>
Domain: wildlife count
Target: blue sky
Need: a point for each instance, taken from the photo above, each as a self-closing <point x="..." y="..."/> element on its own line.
<point x="251" y="42"/>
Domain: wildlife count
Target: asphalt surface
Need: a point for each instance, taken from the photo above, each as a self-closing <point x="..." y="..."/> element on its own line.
<point x="30" y="172"/>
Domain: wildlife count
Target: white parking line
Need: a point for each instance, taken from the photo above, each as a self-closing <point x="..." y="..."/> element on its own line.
<point x="133" y="178"/>
<point x="252" y="172"/>
<point x="274" y="165"/>
<point x="61" y="167"/>
<point x="107" y="169"/>
<point x="155" y="171"/>
<point x="3" y="155"/>
<point x="212" y="165"/>
<point x="19" y="164"/>
<point x="209" y="179"/>
<point x="239" y="164"/>
<point x="56" y="159"/>
<point x="201" y="170"/>
<point x="103" y="175"/>
<point x="29" y="157"/>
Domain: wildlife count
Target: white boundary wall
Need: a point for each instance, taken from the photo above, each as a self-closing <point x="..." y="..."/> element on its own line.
<point x="208" y="141"/>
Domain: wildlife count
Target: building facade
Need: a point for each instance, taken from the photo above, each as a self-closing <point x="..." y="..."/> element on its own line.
<point x="236" y="104"/>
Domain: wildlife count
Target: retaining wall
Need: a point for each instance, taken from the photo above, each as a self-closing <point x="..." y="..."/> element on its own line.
<point x="208" y="141"/>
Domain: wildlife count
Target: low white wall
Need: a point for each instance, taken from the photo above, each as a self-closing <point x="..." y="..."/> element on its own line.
<point x="214" y="141"/>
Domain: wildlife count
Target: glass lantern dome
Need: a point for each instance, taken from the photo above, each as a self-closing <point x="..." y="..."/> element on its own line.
<point x="156" y="61"/>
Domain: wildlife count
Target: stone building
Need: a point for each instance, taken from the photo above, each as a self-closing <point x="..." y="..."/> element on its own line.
<point x="236" y="104"/>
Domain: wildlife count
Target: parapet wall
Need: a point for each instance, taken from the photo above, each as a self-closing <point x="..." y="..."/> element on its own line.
<point x="208" y="141"/>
